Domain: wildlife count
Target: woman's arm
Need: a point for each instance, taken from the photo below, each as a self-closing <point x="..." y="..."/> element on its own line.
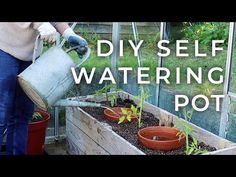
<point x="61" y="27"/>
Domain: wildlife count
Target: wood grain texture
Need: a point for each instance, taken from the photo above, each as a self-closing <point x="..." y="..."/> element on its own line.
<point x="83" y="143"/>
<point x="100" y="133"/>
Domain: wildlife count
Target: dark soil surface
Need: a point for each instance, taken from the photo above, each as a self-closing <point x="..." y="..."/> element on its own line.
<point x="129" y="130"/>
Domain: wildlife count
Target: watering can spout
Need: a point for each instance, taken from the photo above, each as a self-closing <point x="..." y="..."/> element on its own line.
<point x="75" y="103"/>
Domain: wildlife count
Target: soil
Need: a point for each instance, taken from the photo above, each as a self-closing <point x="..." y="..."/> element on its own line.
<point x="129" y="130"/>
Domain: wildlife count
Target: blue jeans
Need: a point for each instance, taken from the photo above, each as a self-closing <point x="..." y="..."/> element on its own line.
<point x="16" y="109"/>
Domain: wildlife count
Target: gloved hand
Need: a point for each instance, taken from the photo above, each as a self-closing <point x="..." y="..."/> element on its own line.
<point x="47" y="32"/>
<point x="76" y="40"/>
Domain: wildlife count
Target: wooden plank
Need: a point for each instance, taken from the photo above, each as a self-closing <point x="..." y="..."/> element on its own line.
<point x="83" y="143"/>
<point x="72" y="148"/>
<point x="57" y="148"/>
<point x="226" y="151"/>
<point x="100" y="133"/>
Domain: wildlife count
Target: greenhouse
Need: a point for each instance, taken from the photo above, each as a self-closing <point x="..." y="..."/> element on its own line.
<point x="142" y="88"/>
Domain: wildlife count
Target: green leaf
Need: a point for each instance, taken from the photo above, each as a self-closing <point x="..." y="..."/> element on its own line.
<point x="134" y="109"/>
<point x="124" y="111"/>
<point x="190" y="151"/>
<point x="128" y="118"/>
<point x="121" y="119"/>
<point x="37" y="117"/>
<point x="195" y="141"/>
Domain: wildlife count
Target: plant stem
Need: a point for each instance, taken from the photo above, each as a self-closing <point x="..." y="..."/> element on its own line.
<point x="187" y="143"/>
<point x="107" y="97"/>
<point x="139" y="119"/>
<point x="141" y="105"/>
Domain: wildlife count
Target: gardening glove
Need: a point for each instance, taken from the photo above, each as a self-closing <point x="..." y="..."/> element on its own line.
<point x="76" y="40"/>
<point x="47" y="32"/>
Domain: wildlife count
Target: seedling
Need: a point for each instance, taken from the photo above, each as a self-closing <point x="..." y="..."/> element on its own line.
<point x="136" y="110"/>
<point x="126" y="115"/>
<point x="187" y="130"/>
<point x="185" y="127"/>
<point x="194" y="148"/>
<point x="112" y="97"/>
<point x="37" y="117"/>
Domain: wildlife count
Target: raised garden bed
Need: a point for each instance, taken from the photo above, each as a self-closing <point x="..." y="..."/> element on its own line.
<point x="89" y="133"/>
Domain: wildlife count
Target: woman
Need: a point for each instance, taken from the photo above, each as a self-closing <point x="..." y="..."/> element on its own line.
<point x="16" y="50"/>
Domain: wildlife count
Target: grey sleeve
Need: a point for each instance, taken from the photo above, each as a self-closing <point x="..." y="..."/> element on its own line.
<point x="54" y="23"/>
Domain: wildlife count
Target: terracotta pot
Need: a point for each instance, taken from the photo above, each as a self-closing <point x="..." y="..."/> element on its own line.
<point x="36" y="135"/>
<point x="161" y="138"/>
<point x="114" y="114"/>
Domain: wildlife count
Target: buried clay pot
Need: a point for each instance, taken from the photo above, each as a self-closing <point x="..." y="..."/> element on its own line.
<point x="161" y="138"/>
<point x="114" y="114"/>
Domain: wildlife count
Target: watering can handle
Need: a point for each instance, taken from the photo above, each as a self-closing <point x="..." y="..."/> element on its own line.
<point x="85" y="57"/>
<point x="39" y="42"/>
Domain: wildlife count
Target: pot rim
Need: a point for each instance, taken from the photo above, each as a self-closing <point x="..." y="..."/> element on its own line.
<point x="161" y="141"/>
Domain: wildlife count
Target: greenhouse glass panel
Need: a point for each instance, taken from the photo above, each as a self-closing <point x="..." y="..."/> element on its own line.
<point x="204" y="32"/>
<point x="231" y="130"/>
<point x="232" y="87"/>
<point x="149" y="32"/>
<point x="92" y="32"/>
<point x="231" y="123"/>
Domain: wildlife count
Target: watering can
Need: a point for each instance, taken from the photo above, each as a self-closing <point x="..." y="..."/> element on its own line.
<point x="49" y="77"/>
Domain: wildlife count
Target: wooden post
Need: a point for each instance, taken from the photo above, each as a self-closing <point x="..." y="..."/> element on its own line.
<point x="226" y="100"/>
